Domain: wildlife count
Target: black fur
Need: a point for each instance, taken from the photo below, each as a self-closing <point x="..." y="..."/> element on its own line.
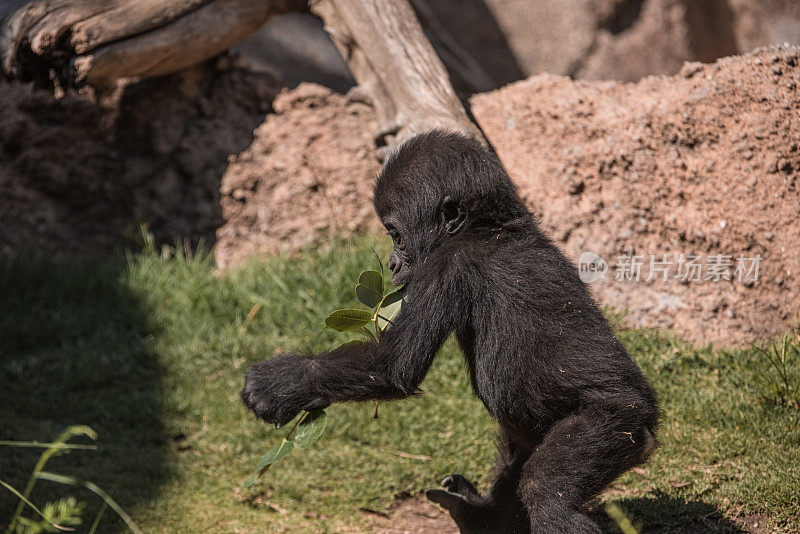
<point x="574" y="410"/>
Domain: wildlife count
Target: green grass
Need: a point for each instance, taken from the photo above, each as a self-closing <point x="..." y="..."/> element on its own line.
<point x="151" y="351"/>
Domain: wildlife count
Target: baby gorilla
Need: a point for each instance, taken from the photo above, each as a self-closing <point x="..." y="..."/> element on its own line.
<point x="574" y="410"/>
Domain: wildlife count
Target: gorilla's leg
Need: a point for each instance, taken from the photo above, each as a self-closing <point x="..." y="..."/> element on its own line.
<point x="578" y="457"/>
<point x="500" y="510"/>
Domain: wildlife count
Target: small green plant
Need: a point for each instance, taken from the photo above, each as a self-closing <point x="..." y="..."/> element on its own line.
<point x="65" y="513"/>
<point x="784" y="359"/>
<point x="382" y="307"/>
<point x="57" y="515"/>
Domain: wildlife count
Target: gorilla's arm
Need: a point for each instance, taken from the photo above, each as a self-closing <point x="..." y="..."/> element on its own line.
<point x="277" y="389"/>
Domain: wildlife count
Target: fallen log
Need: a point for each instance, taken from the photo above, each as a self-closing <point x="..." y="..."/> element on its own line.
<point x="100" y="41"/>
<point x="71" y="43"/>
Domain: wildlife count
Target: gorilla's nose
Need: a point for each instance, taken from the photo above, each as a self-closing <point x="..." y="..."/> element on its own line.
<point x="392" y="264"/>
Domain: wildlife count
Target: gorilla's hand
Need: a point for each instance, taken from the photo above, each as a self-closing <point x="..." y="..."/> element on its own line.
<point x="278" y="389"/>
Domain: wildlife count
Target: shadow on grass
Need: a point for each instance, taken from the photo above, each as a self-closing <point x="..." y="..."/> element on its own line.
<point x="661" y="514"/>
<point x="72" y="352"/>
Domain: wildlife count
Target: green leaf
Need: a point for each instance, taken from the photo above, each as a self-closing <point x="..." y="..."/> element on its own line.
<point x="275" y="454"/>
<point x="310" y="428"/>
<point x="373" y="280"/>
<point x="389" y="312"/>
<point x="348" y="320"/>
<point x="395" y="296"/>
<point x="369" y="334"/>
<point x="368" y="296"/>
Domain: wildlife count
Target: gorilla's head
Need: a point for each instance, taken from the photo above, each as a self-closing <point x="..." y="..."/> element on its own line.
<point x="436" y="186"/>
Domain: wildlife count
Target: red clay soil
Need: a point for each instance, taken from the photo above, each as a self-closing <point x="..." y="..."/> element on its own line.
<point x="703" y="163"/>
<point x="309" y="170"/>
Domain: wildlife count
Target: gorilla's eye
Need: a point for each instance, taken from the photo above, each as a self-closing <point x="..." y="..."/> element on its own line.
<point x="395" y="235"/>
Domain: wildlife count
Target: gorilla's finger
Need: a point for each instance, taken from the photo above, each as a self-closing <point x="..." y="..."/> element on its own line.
<point x="445" y="499"/>
<point x="459" y="484"/>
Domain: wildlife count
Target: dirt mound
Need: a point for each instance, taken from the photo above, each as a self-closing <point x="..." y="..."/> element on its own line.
<point x="309" y="170"/>
<point x="705" y="163"/>
<point x="80" y="175"/>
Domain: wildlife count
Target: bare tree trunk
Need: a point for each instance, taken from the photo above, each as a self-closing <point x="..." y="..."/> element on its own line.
<point x="392" y="60"/>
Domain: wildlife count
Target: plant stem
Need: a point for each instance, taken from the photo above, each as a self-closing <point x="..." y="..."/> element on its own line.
<point x="378" y="338"/>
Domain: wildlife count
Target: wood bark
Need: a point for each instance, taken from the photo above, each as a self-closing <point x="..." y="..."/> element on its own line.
<point x="199" y="35"/>
<point x="130" y="18"/>
<point x="390" y="57"/>
<point x="95" y="42"/>
<point x="99" y="41"/>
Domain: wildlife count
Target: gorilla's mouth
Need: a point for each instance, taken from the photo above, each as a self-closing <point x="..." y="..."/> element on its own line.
<point x="400" y="279"/>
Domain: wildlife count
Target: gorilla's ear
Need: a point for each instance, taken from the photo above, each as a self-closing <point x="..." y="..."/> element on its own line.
<point x="453" y="215"/>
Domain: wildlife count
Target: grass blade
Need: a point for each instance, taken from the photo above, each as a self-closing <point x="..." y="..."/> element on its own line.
<point x="621" y="519"/>
<point x="36" y="444"/>
<point x="98" y="517"/>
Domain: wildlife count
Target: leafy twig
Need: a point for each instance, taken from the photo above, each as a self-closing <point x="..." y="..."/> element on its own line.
<point x="383" y="307"/>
